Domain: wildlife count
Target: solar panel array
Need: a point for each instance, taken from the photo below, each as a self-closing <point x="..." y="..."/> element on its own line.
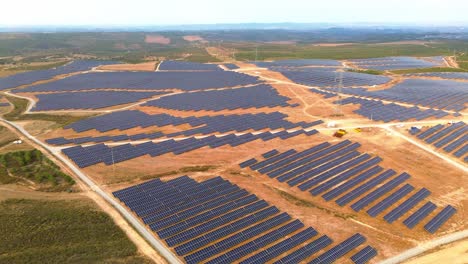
<point x="215" y="221"/>
<point x="326" y="78"/>
<point x="452" y="138"/>
<point x="123" y="120"/>
<point x="91" y="155"/>
<point x="257" y="96"/>
<point x="187" y="66"/>
<point x="231" y="66"/>
<point x="339" y="171"/>
<point x="439" y="94"/>
<point x="364" y="255"/>
<point x="444" y="75"/>
<point x="34" y="76"/>
<point x="183" y="80"/>
<point x="324" y="93"/>
<point x="395" y="63"/>
<point x="89" y="99"/>
<point x="378" y="111"/>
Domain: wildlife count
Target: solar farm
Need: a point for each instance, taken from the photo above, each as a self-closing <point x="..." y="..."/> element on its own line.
<point x="286" y="161"/>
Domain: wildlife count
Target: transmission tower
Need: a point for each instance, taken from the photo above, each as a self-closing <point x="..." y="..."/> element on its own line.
<point x="338" y="111"/>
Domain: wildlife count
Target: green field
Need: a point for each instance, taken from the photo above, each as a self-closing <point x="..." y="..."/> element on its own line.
<point x="354" y="51"/>
<point x="437" y="69"/>
<point x="41" y="231"/>
<point x="33" y="166"/>
<point x="20" y="106"/>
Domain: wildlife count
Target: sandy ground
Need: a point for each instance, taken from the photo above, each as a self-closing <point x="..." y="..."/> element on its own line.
<point x="157" y="39"/>
<point x="456" y="253"/>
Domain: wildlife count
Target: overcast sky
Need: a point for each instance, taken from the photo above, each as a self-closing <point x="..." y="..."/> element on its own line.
<point x="167" y="12"/>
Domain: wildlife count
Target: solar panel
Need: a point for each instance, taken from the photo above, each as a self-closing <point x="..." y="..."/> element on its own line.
<point x="306" y="251"/>
<point x="379" y="192"/>
<point x="390" y="200"/>
<point x="340" y="250"/>
<point x="364" y="255"/>
<point x="435" y="223"/>
<point x="406" y="205"/>
<point x="419" y="215"/>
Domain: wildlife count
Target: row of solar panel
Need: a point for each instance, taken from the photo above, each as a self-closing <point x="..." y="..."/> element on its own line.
<point x="240" y="98"/>
<point x="187" y="66"/>
<point x="123" y="120"/>
<point x="324" y="93"/>
<point x="210" y="221"/>
<point x="452" y="138"/>
<point x="333" y="170"/>
<point x="159" y="80"/>
<point x="396" y="63"/>
<point x="3" y="104"/>
<point x="87" y="156"/>
<point x="439" y="94"/>
<point x="88" y="100"/>
<point x="324" y="79"/>
<point x="378" y="111"/>
<point x="443" y="75"/>
<point x="35" y="76"/>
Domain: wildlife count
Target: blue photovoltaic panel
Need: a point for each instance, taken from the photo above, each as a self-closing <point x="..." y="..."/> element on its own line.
<point x="269" y="253"/>
<point x="364" y="255"/>
<point x="187" y="66"/>
<point x="397" y="63"/>
<point x="306" y="251"/>
<point x="88" y="100"/>
<point x="345" y="199"/>
<point x="438" y="94"/>
<point x="351" y="183"/>
<point x="258" y="243"/>
<point x="273" y="159"/>
<point x="318" y="77"/>
<point x="419" y="215"/>
<point x="406" y="205"/>
<point x="248" y="163"/>
<point x="270" y="153"/>
<point x="344" y="176"/>
<point x="379" y="192"/>
<point x="339" y="250"/>
<point x="159" y="80"/>
<point x="388" y="112"/>
<point x="217" y="221"/>
<point x="390" y="200"/>
<point x="262" y="95"/>
<point x="34" y="76"/>
<point x="435" y="223"/>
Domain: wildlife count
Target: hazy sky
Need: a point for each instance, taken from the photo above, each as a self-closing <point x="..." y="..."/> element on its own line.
<point x="157" y="12"/>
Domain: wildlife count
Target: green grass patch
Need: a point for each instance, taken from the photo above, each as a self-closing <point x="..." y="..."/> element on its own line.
<point x="463" y="65"/>
<point x="352" y="51"/>
<point x="423" y="70"/>
<point x="303" y="203"/>
<point x="20" y="106"/>
<point x="28" y="67"/>
<point x="32" y="165"/>
<point x="40" y="231"/>
<point x="373" y="72"/>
